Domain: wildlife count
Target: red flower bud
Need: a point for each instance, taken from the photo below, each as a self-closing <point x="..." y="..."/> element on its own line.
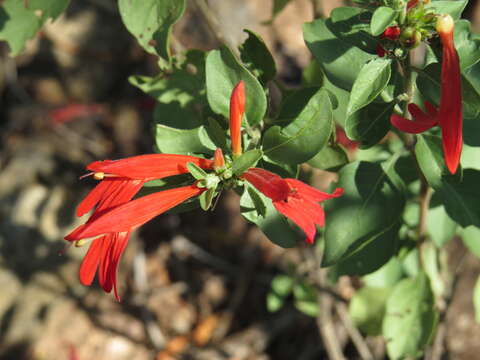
<point x="237" y="109"/>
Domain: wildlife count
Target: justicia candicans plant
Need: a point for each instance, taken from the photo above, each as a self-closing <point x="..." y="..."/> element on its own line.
<point x="116" y="215"/>
<point x="396" y="80"/>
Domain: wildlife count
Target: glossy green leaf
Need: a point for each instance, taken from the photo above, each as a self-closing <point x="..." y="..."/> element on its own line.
<point x="151" y="21"/>
<point x="223" y="72"/>
<point x="21" y="20"/>
<point x="454" y="8"/>
<point x="305" y="134"/>
<point x="272" y="224"/>
<point x="256" y="56"/>
<point x="471" y="238"/>
<point x="246" y="161"/>
<point x="428" y="83"/>
<point x="381" y="19"/>
<point x="367" y="309"/>
<point x="351" y="24"/>
<point x="340" y="61"/>
<point x="476" y="300"/>
<point x="468" y="46"/>
<point x="331" y="157"/>
<point x="370" y="124"/>
<point x="439" y="226"/>
<point x="410" y="318"/>
<point x="459" y="193"/>
<point x="371" y="257"/>
<point x="388" y="275"/>
<point x="179" y="141"/>
<point x="372" y="79"/>
<point x="370" y="206"/>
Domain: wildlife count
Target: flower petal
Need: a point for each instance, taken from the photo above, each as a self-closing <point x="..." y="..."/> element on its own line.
<point x="310" y="193"/>
<point x="90" y="262"/>
<point x="295" y="213"/>
<point x="408" y="126"/>
<point x="268" y="183"/>
<point x="420" y="117"/>
<point x="149" y="167"/>
<point x="137" y="212"/>
<point x="450" y="113"/>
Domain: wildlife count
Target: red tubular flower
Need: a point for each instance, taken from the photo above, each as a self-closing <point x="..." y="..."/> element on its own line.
<point x="237" y="109"/>
<point x="292" y="198"/>
<point x="218" y="159"/>
<point x="421" y="121"/>
<point x="121" y="180"/>
<point x="130" y="215"/>
<point x="450" y="114"/>
<point x="380" y="50"/>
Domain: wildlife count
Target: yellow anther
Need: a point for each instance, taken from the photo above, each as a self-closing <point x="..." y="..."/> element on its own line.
<point x="80" y="243"/>
<point x="99" y="175"/>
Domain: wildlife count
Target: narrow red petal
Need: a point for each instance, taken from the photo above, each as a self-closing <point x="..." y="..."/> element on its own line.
<point x="268" y="183"/>
<point x="149" y="167"/>
<point x="91" y="260"/>
<point x="295" y="214"/>
<point x="137" y="212"/>
<point x="431" y="110"/>
<point x="421" y="117"/>
<point x="93" y="197"/>
<point x="310" y="193"/>
<point x="408" y="126"/>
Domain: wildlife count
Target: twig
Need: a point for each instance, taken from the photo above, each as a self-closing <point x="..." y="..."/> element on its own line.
<point x="357" y="338"/>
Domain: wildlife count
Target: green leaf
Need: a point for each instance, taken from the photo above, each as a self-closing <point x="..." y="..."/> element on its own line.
<point x="306" y="299"/>
<point x="388" y="275"/>
<point x="476" y="300"/>
<point x="330" y="158"/>
<point x="274" y="302"/>
<point x="370" y="124"/>
<point x="272" y="224"/>
<point x="196" y="171"/>
<point x="307" y="132"/>
<point x="206" y="198"/>
<point x="468" y="46"/>
<point x="381" y="19"/>
<point x="341" y="62"/>
<point x="373" y="78"/>
<point x="454" y="8"/>
<point x="410" y="318"/>
<point x="151" y="21"/>
<point x="367" y="309"/>
<point x="223" y="72"/>
<point x="178" y="141"/>
<point x="471" y="238"/>
<point x="370" y="206"/>
<point x="22" y="19"/>
<point x="257" y="57"/>
<point x="458" y="193"/>
<point x="371" y="257"/>
<point x="428" y="83"/>
<point x="246" y="161"/>
<point x="350" y="24"/>
<point x="439" y="226"/>
<point x="257" y="202"/>
<point x="282" y="285"/>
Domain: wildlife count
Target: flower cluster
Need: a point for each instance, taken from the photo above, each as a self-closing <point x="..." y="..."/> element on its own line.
<point x="116" y="215"/>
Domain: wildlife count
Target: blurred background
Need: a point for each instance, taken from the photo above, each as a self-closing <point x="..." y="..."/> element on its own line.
<point x="192" y="287"/>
